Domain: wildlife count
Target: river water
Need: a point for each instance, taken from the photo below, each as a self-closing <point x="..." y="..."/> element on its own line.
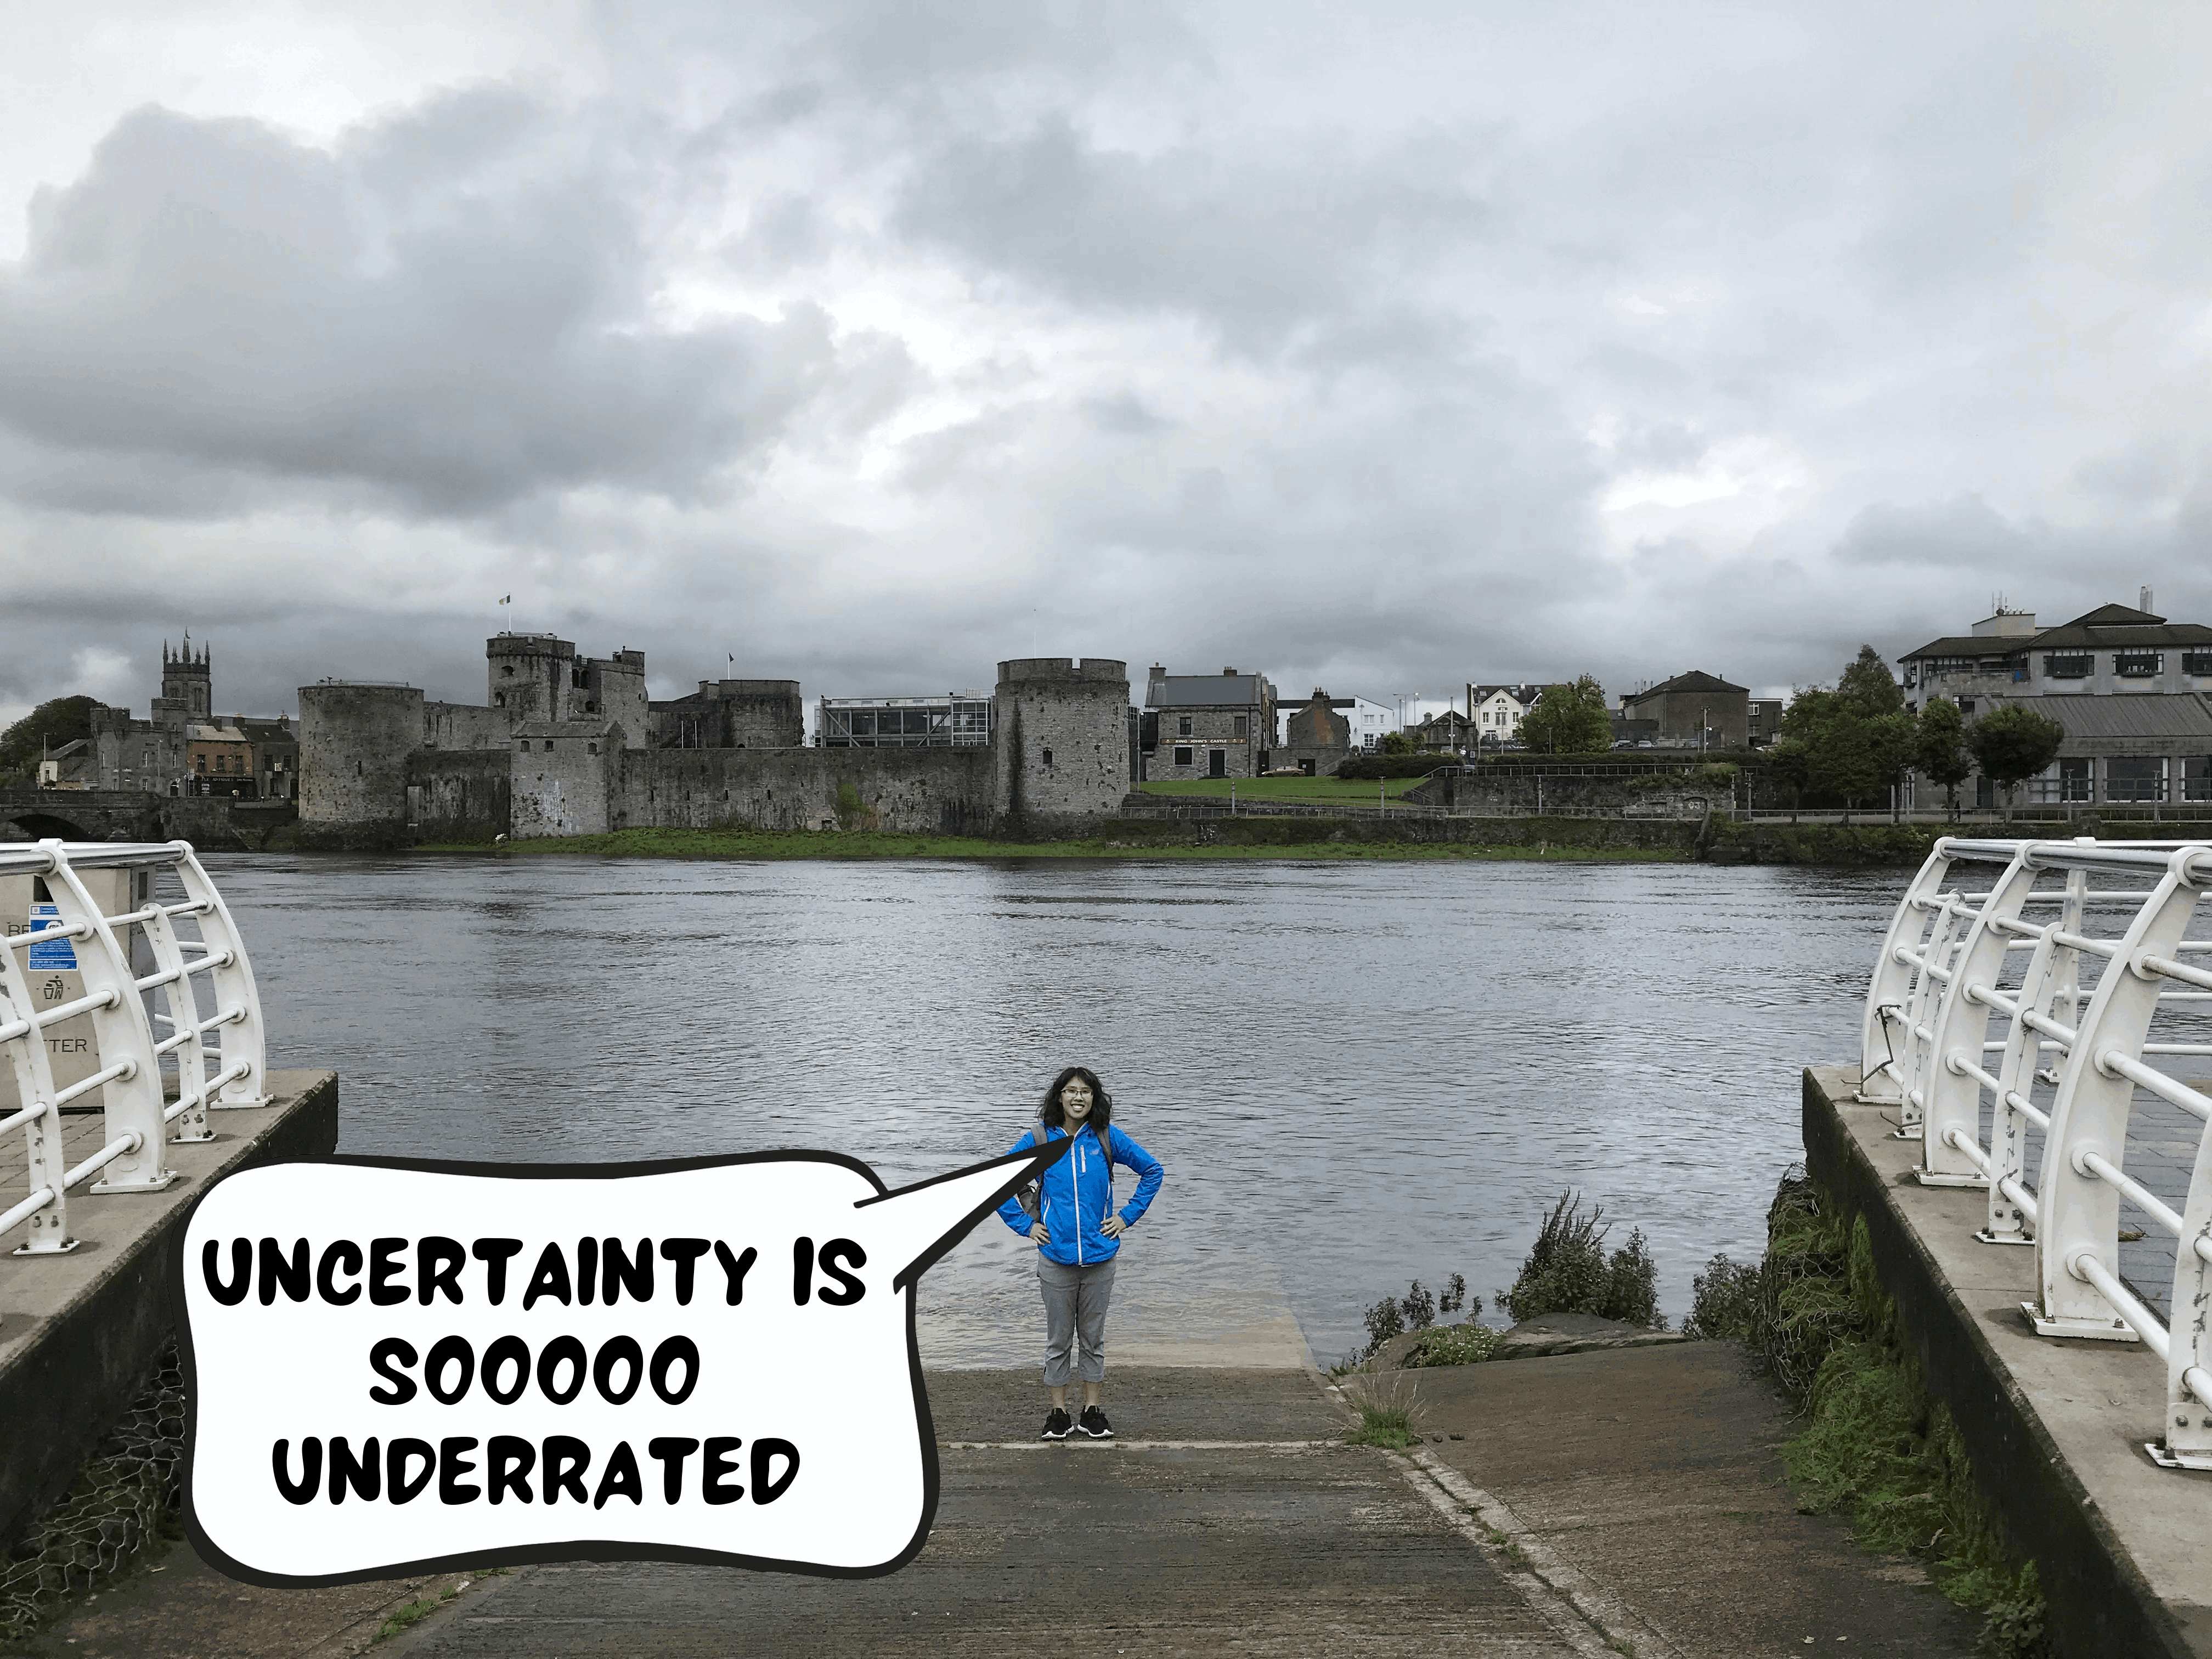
<point x="1356" y="1075"/>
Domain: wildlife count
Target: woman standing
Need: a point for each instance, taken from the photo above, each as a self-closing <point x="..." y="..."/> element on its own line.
<point x="1077" y="1234"/>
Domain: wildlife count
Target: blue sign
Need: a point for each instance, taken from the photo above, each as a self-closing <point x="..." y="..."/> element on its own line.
<point x="54" y="953"/>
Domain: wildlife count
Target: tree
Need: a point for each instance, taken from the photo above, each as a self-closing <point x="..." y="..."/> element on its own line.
<point x="2012" y="745"/>
<point x="1854" y="741"/>
<point x="1569" y="720"/>
<point x="51" y="725"/>
<point x="1395" y="743"/>
<point x="1940" y="752"/>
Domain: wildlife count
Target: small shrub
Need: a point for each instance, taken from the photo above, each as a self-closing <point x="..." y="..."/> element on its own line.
<point x="1419" y="1308"/>
<point x="1455" y="1296"/>
<point x="1567" y="1270"/>
<point x="1384" y="1321"/>
<point x="1724" y="1302"/>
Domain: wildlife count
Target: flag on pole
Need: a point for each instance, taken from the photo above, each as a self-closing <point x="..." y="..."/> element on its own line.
<point x="509" y="599"/>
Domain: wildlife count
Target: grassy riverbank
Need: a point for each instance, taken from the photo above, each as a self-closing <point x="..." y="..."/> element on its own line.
<point x="1137" y="841"/>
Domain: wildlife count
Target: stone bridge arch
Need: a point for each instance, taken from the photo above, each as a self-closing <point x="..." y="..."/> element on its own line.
<point x="79" y="815"/>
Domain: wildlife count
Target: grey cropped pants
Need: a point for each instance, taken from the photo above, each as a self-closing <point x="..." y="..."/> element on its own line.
<point x="1075" y="1301"/>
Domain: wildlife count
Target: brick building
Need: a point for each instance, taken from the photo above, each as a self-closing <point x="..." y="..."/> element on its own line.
<point x="1694" y="710"/>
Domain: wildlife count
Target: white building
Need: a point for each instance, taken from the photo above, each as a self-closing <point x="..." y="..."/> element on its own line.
<point x="1497" y="710"/>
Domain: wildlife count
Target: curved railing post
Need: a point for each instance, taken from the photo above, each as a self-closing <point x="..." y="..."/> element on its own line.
<point x="2188" y="1432"/>
<point x="1881" y="1065"/>
<point x="2078" y="1210"/>
<point x="1915" y="1027"/>
<point x="2051" y="987"/>
<point x="1950" y="1095"/>
<point x="172" y="981"/>
<point x="133" y="1093"/>
<point x="35" y="1112"/>
<point x="245" y="1053"/>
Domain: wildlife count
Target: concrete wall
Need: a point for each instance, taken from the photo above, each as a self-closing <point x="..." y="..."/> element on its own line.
<point x="354" y="741"/>
<point x="1062" y="742"/>
<point x="462" y="795"/>
<point x="1486" y="794"/>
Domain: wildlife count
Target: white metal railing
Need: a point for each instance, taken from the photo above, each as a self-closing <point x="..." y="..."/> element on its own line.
<point x="136" y="974"/>
<point x="2078" y="949"/>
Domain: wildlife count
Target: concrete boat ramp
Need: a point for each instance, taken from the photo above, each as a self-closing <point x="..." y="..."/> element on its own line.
<point x="1587" y="1504"/>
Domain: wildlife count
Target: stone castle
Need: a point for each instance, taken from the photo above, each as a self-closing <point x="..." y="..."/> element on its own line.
<point x="571" y="746"/>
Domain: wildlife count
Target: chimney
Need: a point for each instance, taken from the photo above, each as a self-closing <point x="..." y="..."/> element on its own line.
<point x="1231" y="670"/>
<point x="2142" y="600"/>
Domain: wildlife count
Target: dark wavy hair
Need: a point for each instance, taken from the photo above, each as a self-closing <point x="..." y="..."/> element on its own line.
<point x="1101" y="1103"/>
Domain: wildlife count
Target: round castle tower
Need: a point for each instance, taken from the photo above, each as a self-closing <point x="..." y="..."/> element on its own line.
<point x="530" y="675"/>
<point x="1064" y="741"/>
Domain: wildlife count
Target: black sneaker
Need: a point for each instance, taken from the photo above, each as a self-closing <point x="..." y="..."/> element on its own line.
<point x="1093" y="1423"/>
<point x="1056" y="1424"/>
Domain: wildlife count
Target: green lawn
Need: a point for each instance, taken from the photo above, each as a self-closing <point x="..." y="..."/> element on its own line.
<point x="1321" y="791"/>
<point x="864" y="844"/>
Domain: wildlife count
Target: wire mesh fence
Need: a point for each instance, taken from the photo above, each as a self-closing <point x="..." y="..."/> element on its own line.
<point x="124" y="1500"/>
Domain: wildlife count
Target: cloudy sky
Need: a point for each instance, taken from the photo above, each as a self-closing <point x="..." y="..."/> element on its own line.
<point x="1377" y="347"/>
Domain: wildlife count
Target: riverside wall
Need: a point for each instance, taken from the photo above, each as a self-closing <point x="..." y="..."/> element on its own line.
<point x="80" y="1332"/>
<point x="2054" y="1429"/>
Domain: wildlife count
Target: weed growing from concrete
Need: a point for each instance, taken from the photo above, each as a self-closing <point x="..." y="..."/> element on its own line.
<point x="1388" y="1416"/>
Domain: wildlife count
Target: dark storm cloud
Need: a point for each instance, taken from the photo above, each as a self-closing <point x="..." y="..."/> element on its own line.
<point x="1256" y="247"/>
<point x="876" y="342"/>
<point x="452" y="307"/>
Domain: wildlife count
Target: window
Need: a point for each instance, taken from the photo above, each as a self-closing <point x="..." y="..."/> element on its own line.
<point x="1183" y="726"/>
<point x="2134" y="778"/>
<point x="2138" y="664"/>
<point x="1047" y="757"/>
<point x="499" y="699"/>
<point x="1183" y="758"/>
<point x="2197" y="778"/>
<point x="507" y="670"/>
<point x="525" y="745"/>
<point x="591" y="749"/>
<point x="2196" y="662"/>
<point x="1966" y="705"/>
<point x="2074" y="667"/>
<point x="1242" y="726"/>
<point x="199" y="763"/>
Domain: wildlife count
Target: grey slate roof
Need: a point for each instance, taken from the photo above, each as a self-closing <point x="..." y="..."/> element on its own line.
<point x="2130" y="714"/>
<point x="2108" y="628"/>
<point x="1205" y="691"/>
<point x="1693" y="680"/>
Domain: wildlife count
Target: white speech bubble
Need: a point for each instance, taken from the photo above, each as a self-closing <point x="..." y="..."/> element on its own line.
<point x="823" y="1458"/>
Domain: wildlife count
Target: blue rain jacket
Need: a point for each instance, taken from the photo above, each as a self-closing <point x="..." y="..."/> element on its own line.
<point x="1081" y="1187"/>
